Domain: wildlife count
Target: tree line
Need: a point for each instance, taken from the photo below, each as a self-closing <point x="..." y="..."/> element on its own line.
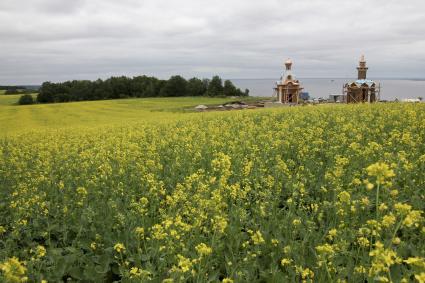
<point x="140" y="86"/>
<point x="9" y="90"/>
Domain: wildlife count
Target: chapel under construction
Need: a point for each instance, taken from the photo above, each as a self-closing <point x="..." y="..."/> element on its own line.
<point x="361" y="90"/>
<point x="288" y="88"/>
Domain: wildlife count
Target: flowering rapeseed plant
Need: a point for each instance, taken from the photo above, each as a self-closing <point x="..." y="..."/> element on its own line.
<point x="301" y="194"/>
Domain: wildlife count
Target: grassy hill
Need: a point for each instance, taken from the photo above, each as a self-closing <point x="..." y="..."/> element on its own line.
<point x="19" y="119"/>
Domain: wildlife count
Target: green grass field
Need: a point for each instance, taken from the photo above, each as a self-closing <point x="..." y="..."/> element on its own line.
<point x="19" y="119"/>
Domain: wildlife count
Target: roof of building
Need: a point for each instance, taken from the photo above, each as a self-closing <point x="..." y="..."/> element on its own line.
<point x="368" y="82"/>
<point x="288" y="82"/>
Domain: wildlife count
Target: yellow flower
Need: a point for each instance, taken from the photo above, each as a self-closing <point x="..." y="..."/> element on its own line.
<point x="363" y="242"/>
<point x="402" y="208"/>
<point x="383" y="207"/>
<point x="382" y="279"/>
<point x="143" y="201"/>
<point x="227" y="280"/>
<point x="412" y="218"/>
<point x="93" y="245"/>
<point x="383" y="259"/>
<point x="2" y="230"/>
<point x="396" y="241"/>
<point x="140" y="232"/>
<point x="417" y="261"/>
<point x="325" y="249"/>
<point x="381" y="171"/>
<point x="296" y="222"/>
<point x="344" y="197"/>
<point x="420" y="277"/>
<point x="13" y="270"/>
<point x="370" y="186"/>
<point x="332" y="233"/>
<point x="305" y="273"/>
<point x="119" y="247"/>
<point x="219" y="223"/>
<point x="285" y="261"/>
<point x="82" y="191"/>
<point x="257" y="238"/>
<point x="365" y="201"/>
<point x="388" y="220"/>
<point x="134" y="272"/>
<point x="158" y="232"/>
<point x="184" y="263"/>
<point x="203" y="249"/>
<point x="40" y="251"/>
<point x="360" y="269"/>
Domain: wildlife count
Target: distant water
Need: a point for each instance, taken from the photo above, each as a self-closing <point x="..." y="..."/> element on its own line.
<point x="390" y="88"/>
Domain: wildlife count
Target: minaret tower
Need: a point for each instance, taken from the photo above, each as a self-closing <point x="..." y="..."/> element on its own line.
<point x="362" y="69"/>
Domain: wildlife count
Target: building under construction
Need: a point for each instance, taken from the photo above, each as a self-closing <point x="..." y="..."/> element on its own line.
<point x="362" y="90"/>
<point x="288" y="88"/>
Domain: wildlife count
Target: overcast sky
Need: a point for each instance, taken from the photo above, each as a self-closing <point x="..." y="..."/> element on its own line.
<point x="60" y="40"/>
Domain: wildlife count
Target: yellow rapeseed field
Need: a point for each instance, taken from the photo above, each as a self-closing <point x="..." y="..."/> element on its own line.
<point x="301" y="194"/>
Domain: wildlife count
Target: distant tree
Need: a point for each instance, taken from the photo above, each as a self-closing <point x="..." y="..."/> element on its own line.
<point x="246" y="92"/>
<point x="120" y="86"/>
<point x="63" y="97"/>
<point x="206" y="83"/>
<point x="141" y="86"/>
<point x="175" y="86"/>
<point x="215" y="87"/>
<point x="196" y="87"/>
<point x="26" y="99"/>
<point x="17" y="90"/>
<point x="155" y="87"/>
<point x="100" y="90"/>
<point x="420" y="98"/>
<point x="12" y="90"/>
<point x="79" y="90"/>
<point x="47" y="93"/>
<point x="230" y="89"/>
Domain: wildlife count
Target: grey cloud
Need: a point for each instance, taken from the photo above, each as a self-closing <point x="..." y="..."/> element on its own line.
<point x="58" y="40"/>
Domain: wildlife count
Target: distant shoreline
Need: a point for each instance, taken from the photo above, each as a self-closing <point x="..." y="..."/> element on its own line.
<point x="330" y="78"/>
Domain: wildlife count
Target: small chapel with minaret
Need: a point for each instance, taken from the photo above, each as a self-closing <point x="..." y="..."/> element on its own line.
<point x="288" y="88"/>
<point x="361" y="90"/>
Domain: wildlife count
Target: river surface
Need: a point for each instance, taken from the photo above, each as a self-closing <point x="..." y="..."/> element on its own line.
<point x="390" y="88"/>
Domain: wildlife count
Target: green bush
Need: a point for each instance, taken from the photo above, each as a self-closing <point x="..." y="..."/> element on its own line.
<point x="26" y="99"/>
